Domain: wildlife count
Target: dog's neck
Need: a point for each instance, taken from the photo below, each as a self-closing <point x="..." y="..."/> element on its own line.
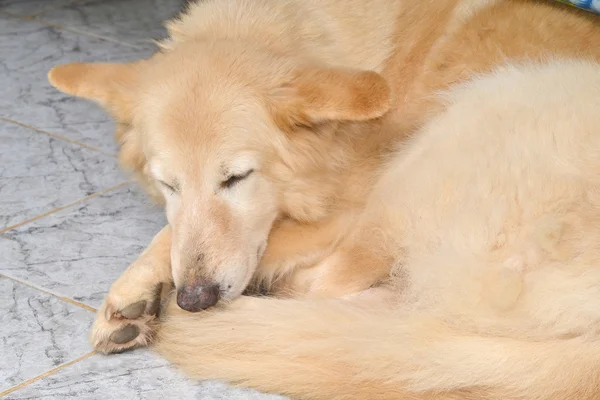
<point x="340" y="174"/>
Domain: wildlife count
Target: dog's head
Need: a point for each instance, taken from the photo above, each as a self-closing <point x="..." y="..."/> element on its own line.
<point x="230" y="138"/>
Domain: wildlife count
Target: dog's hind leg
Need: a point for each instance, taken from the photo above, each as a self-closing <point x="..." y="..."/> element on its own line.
<point x="128" y="317"/>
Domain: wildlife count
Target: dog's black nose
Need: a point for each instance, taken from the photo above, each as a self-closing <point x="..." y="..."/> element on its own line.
<point x="197" y="298"/>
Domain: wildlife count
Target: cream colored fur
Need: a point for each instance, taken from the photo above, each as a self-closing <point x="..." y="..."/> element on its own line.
<point x="494" y="208"/>
<point x="459" y="230"/>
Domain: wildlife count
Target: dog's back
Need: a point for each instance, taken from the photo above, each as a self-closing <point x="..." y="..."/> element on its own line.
<point x="439" y="43"/>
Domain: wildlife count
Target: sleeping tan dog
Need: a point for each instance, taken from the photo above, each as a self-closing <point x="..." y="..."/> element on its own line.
<point x="275" y="132"/>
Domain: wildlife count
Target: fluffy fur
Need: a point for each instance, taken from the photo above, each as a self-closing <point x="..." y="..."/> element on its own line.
<point x="495" y="218"/>
<point x="461" y="228"/>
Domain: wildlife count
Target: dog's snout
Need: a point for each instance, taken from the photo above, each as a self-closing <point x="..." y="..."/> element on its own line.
<point x="196" y="298"/>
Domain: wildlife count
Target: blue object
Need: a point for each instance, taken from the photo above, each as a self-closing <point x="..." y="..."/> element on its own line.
<point x="588" y="5"/>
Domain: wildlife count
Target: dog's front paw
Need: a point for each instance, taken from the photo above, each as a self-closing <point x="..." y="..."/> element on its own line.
<point x="126" y="321"/>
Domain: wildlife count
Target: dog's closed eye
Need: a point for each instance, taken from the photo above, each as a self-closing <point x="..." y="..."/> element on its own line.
<point x="171" y="188"/>
<point x="233" y="179"/>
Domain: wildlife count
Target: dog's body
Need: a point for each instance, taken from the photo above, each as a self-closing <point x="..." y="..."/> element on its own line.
<point x="495" y="215"/>
<point x="480" y="231"/>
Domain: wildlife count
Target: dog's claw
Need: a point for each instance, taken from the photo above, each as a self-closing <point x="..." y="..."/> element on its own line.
<point x="124" y="335"/>
<point x="134" y="310"/>
<point x="108" y="313"/>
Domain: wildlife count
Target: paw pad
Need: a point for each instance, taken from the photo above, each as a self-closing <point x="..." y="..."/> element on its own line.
<point x="134" y="310"/>
<point x="124" y="335"/>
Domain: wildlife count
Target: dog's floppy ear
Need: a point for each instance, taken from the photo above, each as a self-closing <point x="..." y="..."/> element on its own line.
<point x="110" y="85"/>
<point x="316" y="95"/>
<point x="114" y="87"/>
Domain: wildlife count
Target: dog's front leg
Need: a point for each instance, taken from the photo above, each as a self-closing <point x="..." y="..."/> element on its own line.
<point x="318" y="264"/>
<point x="128" y="317"/>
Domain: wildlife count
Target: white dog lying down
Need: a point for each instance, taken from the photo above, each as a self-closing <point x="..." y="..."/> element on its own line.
<point x="493" y="214"/>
